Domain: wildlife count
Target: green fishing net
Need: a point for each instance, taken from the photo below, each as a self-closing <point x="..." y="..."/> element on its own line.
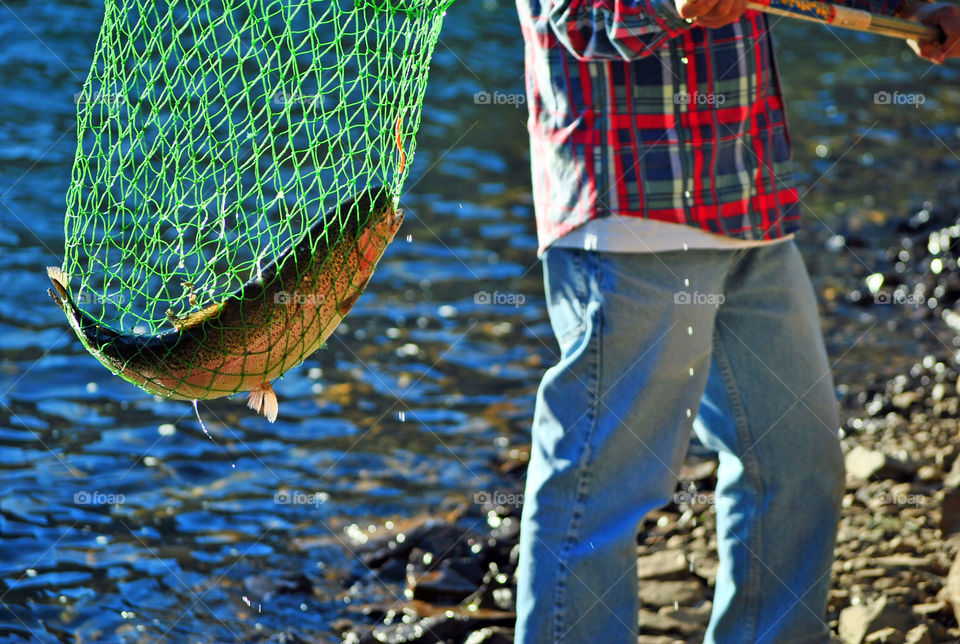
<point x="215" y="134"/>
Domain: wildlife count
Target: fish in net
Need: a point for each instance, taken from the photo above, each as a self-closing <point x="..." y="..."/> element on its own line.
<point x="236" y="182"/>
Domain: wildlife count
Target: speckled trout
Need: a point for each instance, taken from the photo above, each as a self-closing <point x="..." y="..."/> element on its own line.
<point x="263" y="329"/>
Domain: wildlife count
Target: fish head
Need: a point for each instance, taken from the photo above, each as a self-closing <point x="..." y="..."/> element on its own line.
<point x="377" y="232"/>
<point x="392" y="222"/>
<point x="384" y="222"/>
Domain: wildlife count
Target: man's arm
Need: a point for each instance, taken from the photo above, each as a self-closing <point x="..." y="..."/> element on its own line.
<point x="629" y="29"/>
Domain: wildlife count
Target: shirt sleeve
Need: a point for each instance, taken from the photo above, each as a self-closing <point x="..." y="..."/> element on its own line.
<point x="616" y="29"/>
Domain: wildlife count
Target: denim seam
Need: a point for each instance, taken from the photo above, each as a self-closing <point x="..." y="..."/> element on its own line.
<point x="752" y="469"/>
<point x="583" y="473"/>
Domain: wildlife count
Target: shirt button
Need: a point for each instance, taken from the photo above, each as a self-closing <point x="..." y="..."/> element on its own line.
<point x="686" y="194"/>
<point x="684" y="60"/>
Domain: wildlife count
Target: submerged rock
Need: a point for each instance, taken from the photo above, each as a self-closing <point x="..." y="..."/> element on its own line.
<point x="264" y="586"/>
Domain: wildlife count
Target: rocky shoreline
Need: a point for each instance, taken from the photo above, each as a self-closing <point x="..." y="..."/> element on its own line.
<point x="896" y="577"/>
<point x="449" y="577"/>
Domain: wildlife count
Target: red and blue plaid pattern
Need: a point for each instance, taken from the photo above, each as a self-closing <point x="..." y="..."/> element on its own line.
<point x="635" y="112"/>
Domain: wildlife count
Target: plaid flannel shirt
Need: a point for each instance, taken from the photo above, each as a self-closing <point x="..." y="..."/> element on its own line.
<point x="635" y="112"/>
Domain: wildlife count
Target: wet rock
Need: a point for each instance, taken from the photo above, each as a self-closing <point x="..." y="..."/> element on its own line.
<point x="952" y="479"/>
<point x="663" y="624"/>
<point x="445" y="627"/>
<point x="929" y="609"/>
<point x="496" y="592"/>
<point x="951" y="589"/>
<point x="699" y="471"/>
<point x="264" y="586"/>
<point x="491" y="635"/>
<point x="439" y="538"/>
<point x="663" y="564"/>
<point x="865" y="464"/>
<point x="684" y="592"/>
<point x="885" y="636"/>
<point x="856" y="622"/>
<point x="906" y="400"/>
<point x="447" y="582"/>
<point x="285" y="637"/>
<point x="950" y="511"/>
<point x="902" y="561"/>
<point x="919" y="635"/>
<point x="704" y="565"/>
<point x="696" y="616"/>
<point x="394" y="569"/>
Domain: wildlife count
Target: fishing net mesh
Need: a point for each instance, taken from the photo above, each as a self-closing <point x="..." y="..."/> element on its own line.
<point x="215" y="134"/>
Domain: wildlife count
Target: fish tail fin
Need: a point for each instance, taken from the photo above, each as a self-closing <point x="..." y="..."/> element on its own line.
<point x="59" y="291"/>
<point x="263" y="400"/>
<point x="59" y="279"/>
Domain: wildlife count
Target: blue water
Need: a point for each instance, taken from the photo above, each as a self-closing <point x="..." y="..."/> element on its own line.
<point x="404" y="411"/>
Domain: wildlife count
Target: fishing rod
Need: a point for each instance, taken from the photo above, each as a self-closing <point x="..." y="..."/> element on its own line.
<point x="839" y="16"/>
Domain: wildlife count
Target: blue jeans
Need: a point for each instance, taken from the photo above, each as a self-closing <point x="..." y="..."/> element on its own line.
<point x="725" y="343"/>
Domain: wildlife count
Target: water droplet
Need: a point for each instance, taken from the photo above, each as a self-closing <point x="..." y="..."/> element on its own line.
<point x="202" y="426"/>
